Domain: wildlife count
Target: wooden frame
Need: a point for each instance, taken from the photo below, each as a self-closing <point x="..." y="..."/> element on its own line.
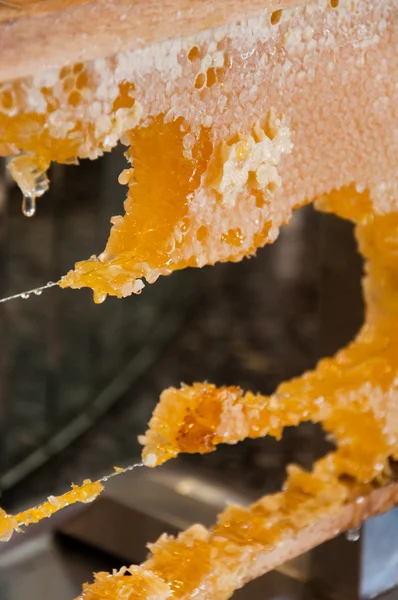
<point x="44" y="34"/>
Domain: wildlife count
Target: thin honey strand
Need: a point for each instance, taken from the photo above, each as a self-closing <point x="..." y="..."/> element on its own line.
<point x="85" y="493"/>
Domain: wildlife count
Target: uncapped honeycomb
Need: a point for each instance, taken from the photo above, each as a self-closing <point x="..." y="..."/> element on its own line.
<point x="228" y="132"/>
<point x="354" y="395"/>
<point x="213" y="563"/>
<point x="132" y="582"/>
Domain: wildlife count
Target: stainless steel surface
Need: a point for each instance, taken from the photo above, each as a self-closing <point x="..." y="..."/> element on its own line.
<point x="359" y="565"/>
<point x="379" y="564"/>
<point x="47" y="569"/>
<point x="40" y="565"/>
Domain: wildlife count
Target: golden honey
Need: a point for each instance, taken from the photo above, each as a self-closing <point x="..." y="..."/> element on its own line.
<point x="87" y="492"/>
<point x="228" y="133"/>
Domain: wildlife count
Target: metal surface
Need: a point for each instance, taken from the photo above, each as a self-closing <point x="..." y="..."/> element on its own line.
<point x="48" y="568"/>
<point x="361" y="565"/>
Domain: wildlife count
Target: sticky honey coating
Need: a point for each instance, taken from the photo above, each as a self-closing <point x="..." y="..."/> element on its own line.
<point x="227" y="552"/>
<point x="139" y="243"/>
<point x="228" y="132"/>
<point x="87" y="492"/>
<point x="158" y="233"/>
<point x="240" y="127"/>
<point x="208" y="564"/>
<point x="132" y="582"/>
<point x="353" y="395"/>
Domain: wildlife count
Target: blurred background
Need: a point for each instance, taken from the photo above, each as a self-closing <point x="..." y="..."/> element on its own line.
<point x="78" y="381"/>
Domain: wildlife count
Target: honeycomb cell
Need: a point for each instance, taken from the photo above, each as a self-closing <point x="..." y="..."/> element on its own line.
<point x="193" y="54"/>
<point x="276" y="17"/>
<point x="200" y="81"/>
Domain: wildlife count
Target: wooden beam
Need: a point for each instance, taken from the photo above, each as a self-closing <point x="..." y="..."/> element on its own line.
<point x="351" y="515"/>
<point x="45" y="34"/>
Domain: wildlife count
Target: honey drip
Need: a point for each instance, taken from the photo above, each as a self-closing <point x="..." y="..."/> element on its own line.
<point x="30" y="174"/>
<point x="29" y="205"/>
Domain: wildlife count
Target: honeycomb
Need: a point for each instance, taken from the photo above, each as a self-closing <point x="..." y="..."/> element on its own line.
<point x="214" y="563"/>
<point x="241" y="125"/>
<point x="85" y="493"/>
<point x="228" y="132"/>
<point x="132" y="582"/>
<point x="354" y="394"/>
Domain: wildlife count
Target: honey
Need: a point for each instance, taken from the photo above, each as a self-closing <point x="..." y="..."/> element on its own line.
<point x="132" y="582"/>
<point x="138" y="243"/>
<point x="353" y="394"/>
<point x="214" y="563"/>
<point x="228" y="132"/>
<point x="85" y="493"/>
